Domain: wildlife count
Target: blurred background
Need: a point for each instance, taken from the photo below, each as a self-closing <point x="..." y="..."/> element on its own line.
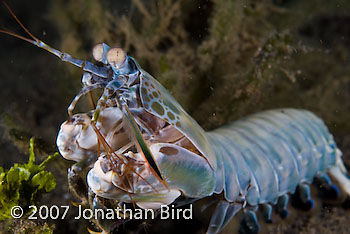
<point x="221" y="59"/>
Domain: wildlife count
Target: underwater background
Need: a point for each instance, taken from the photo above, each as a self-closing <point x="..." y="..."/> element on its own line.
<point x="221" y="59"/>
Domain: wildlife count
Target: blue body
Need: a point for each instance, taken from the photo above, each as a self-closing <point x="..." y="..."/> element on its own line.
<point x="266" y="155"/>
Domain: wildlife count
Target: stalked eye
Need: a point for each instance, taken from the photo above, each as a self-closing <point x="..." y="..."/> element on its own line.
<point x="116" y="56"/>
<point x="97" y="52"/>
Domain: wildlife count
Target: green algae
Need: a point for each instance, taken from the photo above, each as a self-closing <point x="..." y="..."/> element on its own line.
<point x="23" y="184"/>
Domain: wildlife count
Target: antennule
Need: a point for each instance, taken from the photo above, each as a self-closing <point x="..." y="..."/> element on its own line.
<point x="19" y="22"/>
<point x="5" y="31"/>
<point x="85" y="65"/>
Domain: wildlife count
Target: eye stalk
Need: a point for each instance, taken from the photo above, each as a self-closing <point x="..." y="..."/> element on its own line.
<point x="116" y="57"/>
<point x="97" y="52"/>
<point x="100" y="51"/>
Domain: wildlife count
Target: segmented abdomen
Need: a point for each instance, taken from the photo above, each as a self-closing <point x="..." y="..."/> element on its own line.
<point x="268" y="154"/>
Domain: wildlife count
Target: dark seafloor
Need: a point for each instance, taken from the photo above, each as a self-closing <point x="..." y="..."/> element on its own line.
<point x="220" y="59"/>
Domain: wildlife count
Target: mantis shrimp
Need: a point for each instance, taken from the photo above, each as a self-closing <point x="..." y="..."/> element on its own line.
<point x="141" y="147"/>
